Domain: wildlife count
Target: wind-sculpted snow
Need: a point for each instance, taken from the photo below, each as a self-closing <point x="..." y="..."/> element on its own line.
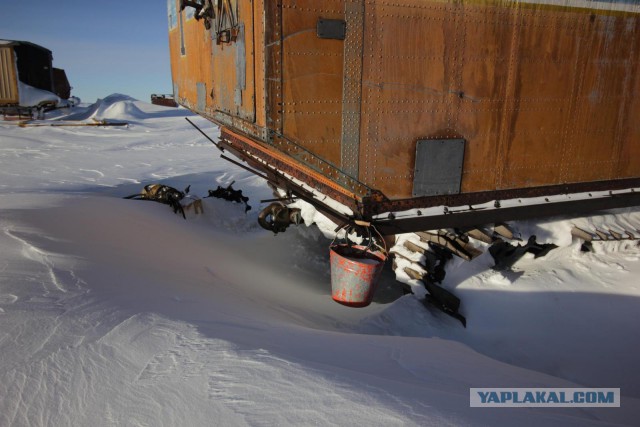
<point x="119" y="312"/>
<point x="118" y="107"/>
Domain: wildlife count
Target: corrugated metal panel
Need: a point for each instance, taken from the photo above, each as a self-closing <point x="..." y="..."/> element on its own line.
<point x="8" y="82"/>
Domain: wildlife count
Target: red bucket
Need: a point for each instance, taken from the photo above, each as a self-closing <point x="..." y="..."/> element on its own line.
<point x="354" y="274"/>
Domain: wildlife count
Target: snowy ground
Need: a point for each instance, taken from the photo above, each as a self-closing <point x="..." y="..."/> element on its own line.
<point x="118" y="312"/>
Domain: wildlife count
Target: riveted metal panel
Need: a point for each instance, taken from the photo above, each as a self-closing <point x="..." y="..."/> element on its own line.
<point x="273" y="40"/>
<point x="352" y="87"/>
<point x="543" y="94"/>
<point x="201" y="90"/>
<point x="438" y="167"/>
<point x="227" y="69"/>
<point x="310" y="79"/>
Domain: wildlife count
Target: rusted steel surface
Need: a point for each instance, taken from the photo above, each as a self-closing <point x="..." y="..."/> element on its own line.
<point x="233" y="68"/>
<point x="352" y="87"/>
<point x="273" y="66"/>
<point x="164" y="100"/>
<point x="378" y="207"/>
<point x="321" y="166"/>
<point x="278" y="179"/>
<point x="208" y="76"/>
<point x="286" y="164"/>
<point x="545" y="94"/>
<point x="470" y="218"/>
<point x="259" y="52"/>
<point x="191" y="52"/>
<point x="312" y="79"/>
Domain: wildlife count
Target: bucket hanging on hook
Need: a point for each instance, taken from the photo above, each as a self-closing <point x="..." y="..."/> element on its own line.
<point x="355" y="269"/>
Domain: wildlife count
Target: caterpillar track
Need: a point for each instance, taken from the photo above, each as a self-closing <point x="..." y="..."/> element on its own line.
<point x="420" y="259"/>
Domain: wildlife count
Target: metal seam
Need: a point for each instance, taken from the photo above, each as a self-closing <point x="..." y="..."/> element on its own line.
<point x="352" y="87"/>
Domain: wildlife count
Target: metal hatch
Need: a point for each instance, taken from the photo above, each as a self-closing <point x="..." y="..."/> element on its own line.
<point x="438" y="167"/>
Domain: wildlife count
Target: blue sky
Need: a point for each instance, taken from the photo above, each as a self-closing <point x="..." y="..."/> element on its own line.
<point x="104" y="46"/>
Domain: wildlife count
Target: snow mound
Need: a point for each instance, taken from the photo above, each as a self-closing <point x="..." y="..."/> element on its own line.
<point x="115" y="97"/>
<point x="127" y="110"/>
<point x="118" y="107"/>
<point x="113" y="107"/>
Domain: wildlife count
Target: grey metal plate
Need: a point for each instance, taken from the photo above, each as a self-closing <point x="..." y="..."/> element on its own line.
<point x="331" y="29"/>
<point x="241" y="61"/>
<point x="438" y="168"/>
<point x="201" y="90"/>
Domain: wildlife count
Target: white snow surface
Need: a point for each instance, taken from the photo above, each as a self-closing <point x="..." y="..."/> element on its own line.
<point x="118" y="312"/>
<point x="32" y="97"/>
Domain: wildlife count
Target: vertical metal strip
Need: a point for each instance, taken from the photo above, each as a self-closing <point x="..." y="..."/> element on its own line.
<point x="273" y="69"/>
<point x="182" y="47"/>
<point x="352" y="86"/>
<point x="280" y="58"/>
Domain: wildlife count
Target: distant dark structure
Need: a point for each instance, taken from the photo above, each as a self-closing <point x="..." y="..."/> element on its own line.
<point x="164" y="100"/>
<point x="30" y="64"/>
<point x="61" y="85"/>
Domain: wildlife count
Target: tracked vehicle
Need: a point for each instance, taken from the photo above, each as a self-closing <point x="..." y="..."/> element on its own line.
<point x="28" y="80"/>
<point x="417" y="115"/>
<point x="494" y="110"/>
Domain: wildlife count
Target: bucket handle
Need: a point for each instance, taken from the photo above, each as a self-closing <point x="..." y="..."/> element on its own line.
<point x="371" y="239"/>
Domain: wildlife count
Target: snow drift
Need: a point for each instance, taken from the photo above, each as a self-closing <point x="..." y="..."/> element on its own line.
<point x="118" y="312"/>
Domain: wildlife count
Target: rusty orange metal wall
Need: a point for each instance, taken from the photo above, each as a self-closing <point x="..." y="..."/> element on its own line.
<point x="312" y="78"/>
<point x="233" y="71"/>
<point x="259" y="61"/>
<point x="630" y="151"/>
<point x="543" y="95"/>
<point x="195" y="64"/>
<point x="219" y="66"/>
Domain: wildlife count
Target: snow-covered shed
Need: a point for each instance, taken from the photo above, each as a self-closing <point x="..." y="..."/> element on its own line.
<point x="27" y="76"/>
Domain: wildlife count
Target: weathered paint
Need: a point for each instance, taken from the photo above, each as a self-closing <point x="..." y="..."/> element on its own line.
<point x="544" y="93"/>
<point x="354" y="274"/>
<point x="225" y="71"/>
